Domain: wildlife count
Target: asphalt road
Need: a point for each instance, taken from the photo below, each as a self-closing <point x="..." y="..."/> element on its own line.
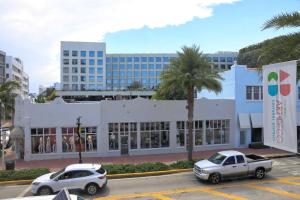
<point x="283" y="182"/>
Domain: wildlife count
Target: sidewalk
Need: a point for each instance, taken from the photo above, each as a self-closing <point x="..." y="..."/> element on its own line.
<point x="165" y="158"/>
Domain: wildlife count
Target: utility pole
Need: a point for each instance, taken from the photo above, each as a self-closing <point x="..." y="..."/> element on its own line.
<point x="79" y="138"/>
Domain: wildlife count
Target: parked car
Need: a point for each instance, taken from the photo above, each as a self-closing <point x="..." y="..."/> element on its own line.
<point x="88" y="177"/>
<point x="232" y="164"/>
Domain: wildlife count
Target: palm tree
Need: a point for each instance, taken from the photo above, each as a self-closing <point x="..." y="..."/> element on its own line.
<point x="283" y="21"/>
<point x="7" y="97"/>
<point x="192" y="70"/>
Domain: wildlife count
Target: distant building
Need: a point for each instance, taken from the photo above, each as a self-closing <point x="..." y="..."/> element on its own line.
<point x="85" y="66"/>
<point x="15" y="71"/>
<point x="2" y="67"/>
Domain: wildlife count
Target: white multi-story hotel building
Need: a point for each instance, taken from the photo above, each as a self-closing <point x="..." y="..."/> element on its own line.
<point x="85" y="66"/>
<point x="14" y="70"/>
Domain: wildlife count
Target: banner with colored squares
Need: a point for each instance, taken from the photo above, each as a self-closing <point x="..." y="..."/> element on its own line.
<point x="279" y="105"/>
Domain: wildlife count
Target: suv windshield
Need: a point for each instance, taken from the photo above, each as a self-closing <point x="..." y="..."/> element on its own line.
<point x="217" y="158"/>
<point x="57" y="173"/>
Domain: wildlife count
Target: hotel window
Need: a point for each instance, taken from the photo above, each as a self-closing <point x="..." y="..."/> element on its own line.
<point x="157" y="59"/>
<point x="115" y="59"/>
<point x="82" y="86"/>
<point x="222" y="59"/>
<point x="66" y="61"/>
<point x="113" y="136"/>
<point x="115" y="67"/>
<point x="108" y="59"/>
<point x="43" y="140"/>
<point x="158" y="66"/>
<point x="129" y="66"/>
<point x="74" y="87"/>
<point x="70" y="140"/>
<point x="229" y="59"/>
<point x="99" y="70"/>
<point x="151" y="66"/>
<point x="180" y="125"/>
<point x="83" y="61"/>
<point x="122" y="59"/>
<point x="74" y="70"/>
<point x="208" y="59"/>
<point x="136" y="59"/>
<point x="136" y="66"/>
<point x="166" y="59"/>
<point x="92" y="87"/>
<point x="223" y="66"/>
<point x="151" y="59"/>
<point x="91" y="53"/>
<point x="91" y="78"/>
<point x="99" y="54"/>
<point x="74" y="78"/>
<point x="155" y="134"/>
<point x="254" y="92"/>
<point x="83" y="78"/>
<point x="144" y="59"/>
<point x="83" y="53"/>
<point x="66" y="87"/>
<point x="66" y="69"/>
<point x="217" y="132"/>
<point x="91" y="70"/>
<point x="91" y="62"/>
<point x="66" y="52"/>
<point x="129" y="59"/>
<point x="99" y="62"/>
<point x="65" y="78"/>
<point x="215" y="59"/>
<point x="83" y="70"/>
<point x="74" y="61"/>
<point x="144" y="66"/>
<point x="74" y="53"/>
<point x="122" y="66"/>
<point x="99" y="78"/>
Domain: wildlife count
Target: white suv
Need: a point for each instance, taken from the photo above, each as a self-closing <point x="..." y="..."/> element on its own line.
<point x="88" y="177"/>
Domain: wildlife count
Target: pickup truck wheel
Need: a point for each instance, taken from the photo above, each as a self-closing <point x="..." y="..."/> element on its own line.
<point x="260" y="173"/>
<point x="45" y="190"/>
<point x="214" y="178"/>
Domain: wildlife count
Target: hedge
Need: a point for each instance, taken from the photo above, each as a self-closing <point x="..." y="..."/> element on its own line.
<point x="23" y="174"/>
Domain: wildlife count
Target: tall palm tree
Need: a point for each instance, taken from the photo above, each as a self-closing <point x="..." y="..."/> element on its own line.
<point x="283" y="21"/>
<point x="192" y="70"/>
<point x="7" y="97"/>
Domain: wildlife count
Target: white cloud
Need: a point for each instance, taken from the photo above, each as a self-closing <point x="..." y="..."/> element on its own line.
<point x="39" y="25"/>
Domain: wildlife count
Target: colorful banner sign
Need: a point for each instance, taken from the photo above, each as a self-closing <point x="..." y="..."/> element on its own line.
<point x="279" y="105"/>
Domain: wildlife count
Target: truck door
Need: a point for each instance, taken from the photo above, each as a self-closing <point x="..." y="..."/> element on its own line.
<point x="229" y="167"/>
<point x="241" y="166"/>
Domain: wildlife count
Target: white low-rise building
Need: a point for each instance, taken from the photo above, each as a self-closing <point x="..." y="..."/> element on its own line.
<point x="125" y="127"/>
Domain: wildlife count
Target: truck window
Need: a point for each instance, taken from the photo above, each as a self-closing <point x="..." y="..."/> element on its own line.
<point x="217" y="158"/>
<point x="240" y="159"/>
<point x="230" y="161"/>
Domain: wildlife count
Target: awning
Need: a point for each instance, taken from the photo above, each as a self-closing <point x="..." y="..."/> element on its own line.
<point x="257" y="120"/>
<point x="244" y="120"/>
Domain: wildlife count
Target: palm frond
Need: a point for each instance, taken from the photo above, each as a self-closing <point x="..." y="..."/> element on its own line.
<point x="283" y="20"/>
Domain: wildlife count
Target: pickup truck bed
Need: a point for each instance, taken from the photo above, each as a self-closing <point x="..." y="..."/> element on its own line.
<point x="255" y="158"/>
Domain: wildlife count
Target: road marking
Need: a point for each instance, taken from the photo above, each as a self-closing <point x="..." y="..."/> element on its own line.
<point x="24" y="191"/>
<point x="276" y="191"/>
<point x="289" y="182"/>
<point x="222" y="194"/>
<point x="161" y="197"/>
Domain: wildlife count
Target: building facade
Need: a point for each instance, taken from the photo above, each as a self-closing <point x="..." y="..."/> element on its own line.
<point x="15" y="71"/>
<point x="245" y="86"/>
<point x="2" y="66"/>
<point x="125" y="127"/>
<point x="85" y="66"/>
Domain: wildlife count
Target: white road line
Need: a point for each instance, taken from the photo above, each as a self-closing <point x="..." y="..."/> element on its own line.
<point x="24" y="191"/>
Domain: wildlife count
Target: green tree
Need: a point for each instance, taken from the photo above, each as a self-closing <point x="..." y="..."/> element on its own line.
<point x="283" y="21"/>
<point x="167" y="92"/>
<point x="190" y="70"/>
<point x="48" y="95"/>
<point x="7" y="97"/>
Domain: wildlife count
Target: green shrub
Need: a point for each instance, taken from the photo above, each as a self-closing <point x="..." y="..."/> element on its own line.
<point x="183" y="164"/>
<point x="23" y="174"/>
<point x="131" y="168"/>
<point x="257" y="145"/>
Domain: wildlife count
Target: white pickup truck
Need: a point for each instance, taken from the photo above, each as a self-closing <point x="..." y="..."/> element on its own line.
<point x="232" y="164"/>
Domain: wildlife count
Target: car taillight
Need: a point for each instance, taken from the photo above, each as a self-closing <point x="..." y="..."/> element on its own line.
<point x="102" y="177"/>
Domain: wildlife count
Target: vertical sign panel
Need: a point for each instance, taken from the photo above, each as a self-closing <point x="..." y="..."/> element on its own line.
<point x="279" y="105"/>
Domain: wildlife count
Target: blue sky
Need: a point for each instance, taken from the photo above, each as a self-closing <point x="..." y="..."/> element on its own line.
<point x="32" y="30"/>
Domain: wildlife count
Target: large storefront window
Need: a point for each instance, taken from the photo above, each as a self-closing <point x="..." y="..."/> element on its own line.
<point x="198" y="133"/>
<point x="124" y="129"/>
<point x="182" y="127"/>
<point x="217" y="131"/>
<point x="155" y="134"/>
<point x="113" y="136"/>
<point x="43" y="140"/>
<point x="133" y="135"/>
<point x="70" y="141"/>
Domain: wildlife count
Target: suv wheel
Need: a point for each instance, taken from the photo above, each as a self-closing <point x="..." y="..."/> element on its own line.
<point x="45" y="190"/>
<point x="214" y="178"/>
<point x="260" y="173"/>
<point x="91" y="188"/>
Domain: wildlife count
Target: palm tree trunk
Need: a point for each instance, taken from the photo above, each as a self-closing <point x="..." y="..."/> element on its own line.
<point x="190" y="106"/>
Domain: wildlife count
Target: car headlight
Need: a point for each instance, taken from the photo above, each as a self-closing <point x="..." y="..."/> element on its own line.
<point x="205" y="171"/>
<point x="35" y="183"/>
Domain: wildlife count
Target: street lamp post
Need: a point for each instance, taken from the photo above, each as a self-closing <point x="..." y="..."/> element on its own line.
<point x="79" y="138"/>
